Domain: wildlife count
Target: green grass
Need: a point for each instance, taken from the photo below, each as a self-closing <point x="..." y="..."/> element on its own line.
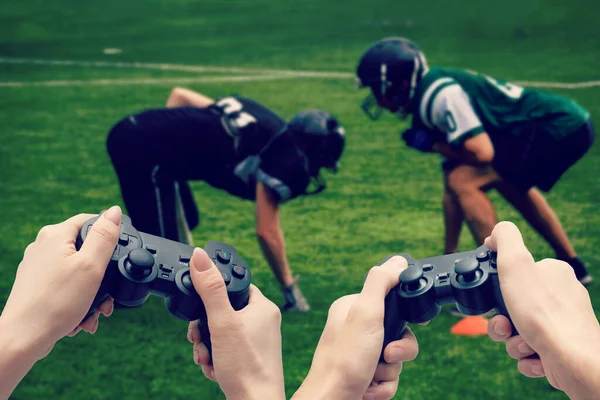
<point x="385" y="199"/>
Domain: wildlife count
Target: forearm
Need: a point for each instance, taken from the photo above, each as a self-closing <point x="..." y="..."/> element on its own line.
<point x="181" y="97"/>
<point x="580" y="378"/>
<point x="453" y="219"/>
<point x="272" y="244"/>
<point x="17" y="356"/>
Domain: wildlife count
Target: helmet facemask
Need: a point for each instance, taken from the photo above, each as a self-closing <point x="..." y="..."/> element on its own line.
<point x="395" y="92"/>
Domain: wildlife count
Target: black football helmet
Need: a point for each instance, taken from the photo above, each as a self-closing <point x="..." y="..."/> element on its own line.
<point x="321" y="138"/>
<point x="391" y="68"/>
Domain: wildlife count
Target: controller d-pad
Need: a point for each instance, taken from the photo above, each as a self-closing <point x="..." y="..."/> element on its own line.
<point x="467" y="270"/>
<point x="123" y="239"/>
<point x="223" y="257"/>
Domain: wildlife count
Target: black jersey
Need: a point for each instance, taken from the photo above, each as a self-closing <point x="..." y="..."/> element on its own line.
<point x="262" y="150"/>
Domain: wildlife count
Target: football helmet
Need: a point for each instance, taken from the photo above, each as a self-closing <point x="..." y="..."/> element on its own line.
<point x="321" y="138"/>
<point x="391" y="68"/>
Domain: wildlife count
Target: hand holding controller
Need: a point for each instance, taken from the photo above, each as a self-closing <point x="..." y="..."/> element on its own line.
<point x="469" y="279"/>
<point x="143" y="264"/>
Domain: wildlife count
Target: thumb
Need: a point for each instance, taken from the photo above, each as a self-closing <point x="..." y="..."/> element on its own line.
<point x="101" y="240"/>
<point x="209" y="284"/>
<point x="507" y="241"/>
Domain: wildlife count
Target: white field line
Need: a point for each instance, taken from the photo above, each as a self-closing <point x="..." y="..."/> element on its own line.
<point x="247" y="74"/>
<point x="175" y="67"/>
<point x="147" y="81"/>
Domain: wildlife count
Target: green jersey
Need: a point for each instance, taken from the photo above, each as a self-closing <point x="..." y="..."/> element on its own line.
<point x="461" y="104"/>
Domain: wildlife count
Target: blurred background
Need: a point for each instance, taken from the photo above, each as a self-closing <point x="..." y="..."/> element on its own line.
<point x="70" y="69"/>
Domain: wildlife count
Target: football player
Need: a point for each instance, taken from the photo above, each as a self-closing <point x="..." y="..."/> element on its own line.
<point x="234" y="144"/>
<point x="490" y="134"/>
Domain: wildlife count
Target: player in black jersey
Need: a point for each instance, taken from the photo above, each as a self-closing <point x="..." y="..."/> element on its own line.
<point x="234" y="144"/>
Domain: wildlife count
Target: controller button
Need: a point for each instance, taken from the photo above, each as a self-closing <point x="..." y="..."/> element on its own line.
<point x="123" y="239"/>
<point x="239" y="271"/>
<point x="186" y="280"/>
<point x="494" y="262"/>
<point x="411" y="279"/>
<point x="184" y="259"/>
<point x="166" y="268"/>
<point x="223" y="257"/>
<point x="226" y="278"/>
<point x="443" y="275"/>
<point x="427" y="267"/>
<point x="482" y="256"/>
<point x="467" y="270"/>
<point x="152" y="249"/>
<point x="139" y="263"/>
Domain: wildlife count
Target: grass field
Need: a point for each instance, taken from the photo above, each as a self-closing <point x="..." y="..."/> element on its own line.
<point x="385" y="199"/>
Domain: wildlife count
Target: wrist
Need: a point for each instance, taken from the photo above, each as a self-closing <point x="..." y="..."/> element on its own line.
<point x="21" y="340"/>
<point x="324" y="386"/>
<point x="260" y="390"/>
<point x="578" y="368"/>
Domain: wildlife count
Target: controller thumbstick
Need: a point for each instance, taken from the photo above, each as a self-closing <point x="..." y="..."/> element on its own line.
<point x="467" y="270"/>
<point x="139" y="263"/>
<point x="411" y="279"/>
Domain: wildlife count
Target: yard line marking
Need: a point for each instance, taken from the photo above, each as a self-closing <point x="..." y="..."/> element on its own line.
<point x="247" y="74"/>
<point x="174" y="67"/>
<point x="147" y="81"/>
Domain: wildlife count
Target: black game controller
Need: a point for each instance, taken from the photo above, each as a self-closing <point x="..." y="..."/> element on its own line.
<point x="142" y="264"/>
<point x="469" y="279"/>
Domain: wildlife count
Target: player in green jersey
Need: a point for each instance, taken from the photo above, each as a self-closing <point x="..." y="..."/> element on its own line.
<point x="490" y="134"/>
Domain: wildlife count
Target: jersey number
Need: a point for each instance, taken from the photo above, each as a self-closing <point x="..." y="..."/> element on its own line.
<point x="233" y="110"/>
<point x="509" y="89"/>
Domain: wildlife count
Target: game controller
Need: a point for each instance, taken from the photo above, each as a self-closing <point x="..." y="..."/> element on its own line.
<point x="468" y="279"/>
<point x="144" y="264"/>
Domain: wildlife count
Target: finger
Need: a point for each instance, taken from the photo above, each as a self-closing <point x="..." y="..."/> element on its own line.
<point x="506" y="239"/>
<point x="387" y="372"/>
<point x="74" y="331"/>
<point x="405" y="349"/>
<point x="73" y="225"/>
<point x="382" y="279"/>
<point x="382" y="391"/>
<point x="209" y="372"/>
<point x="193" y="334"/>
<point x="101" y="240"/>
<point x="531" y="367"/>
<point x="107" y="307"/>
<point x="209" y="284"/>
<point x="255" y="295"/>
<point x="91" y="323"/>
<point x="517" y="348"/>
<point x="499" y="328"/>
<point x="201" y="355"/>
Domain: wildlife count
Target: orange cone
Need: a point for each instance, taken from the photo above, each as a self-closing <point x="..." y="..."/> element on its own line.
<point x="470" y="326"/>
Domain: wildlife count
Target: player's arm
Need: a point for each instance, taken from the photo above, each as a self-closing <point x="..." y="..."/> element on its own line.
<point x="268" y="230"/>
<point x="453" y="219"/>
<point x="452" y="113"/>
<point x="181" y="97"/>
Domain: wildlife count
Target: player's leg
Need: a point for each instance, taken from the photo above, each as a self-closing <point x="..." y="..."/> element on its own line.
<point x="544" y="167"/>
<point x="468" y="184"/>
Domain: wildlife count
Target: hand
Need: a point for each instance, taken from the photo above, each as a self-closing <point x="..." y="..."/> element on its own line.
<point x="551" y="311"/>
<point x="55" y="284"/>
<point x="419" y="139"/>
<point x="345" y="364"/>
<point x="246" y="344"/>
